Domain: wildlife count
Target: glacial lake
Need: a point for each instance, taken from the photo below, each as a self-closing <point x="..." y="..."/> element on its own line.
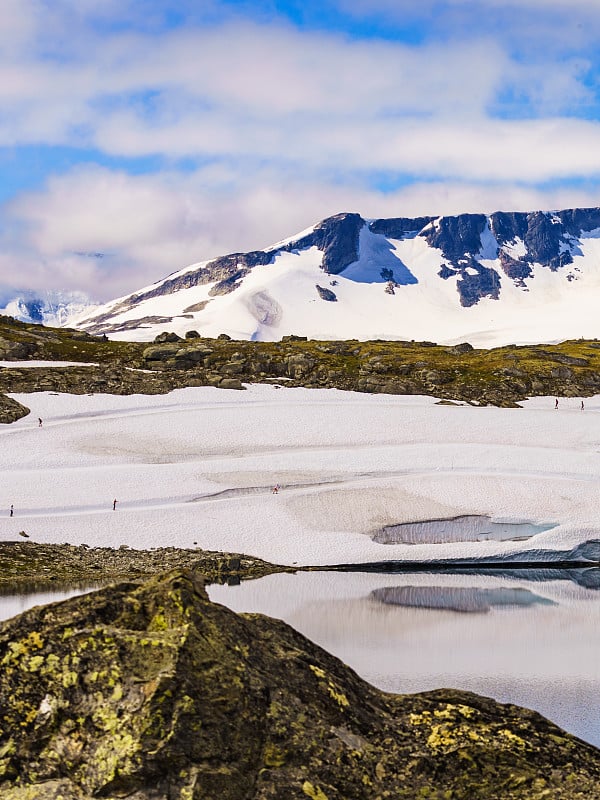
<point x="529" y="637"/>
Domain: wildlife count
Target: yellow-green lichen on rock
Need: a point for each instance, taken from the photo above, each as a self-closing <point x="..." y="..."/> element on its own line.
<point x="149" y="690"/>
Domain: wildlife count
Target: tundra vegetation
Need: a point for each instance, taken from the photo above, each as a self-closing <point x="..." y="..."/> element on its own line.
<point x="502" y="376"/>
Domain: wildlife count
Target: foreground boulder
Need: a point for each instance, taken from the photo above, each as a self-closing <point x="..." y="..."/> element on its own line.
<point x="149" y="690"/>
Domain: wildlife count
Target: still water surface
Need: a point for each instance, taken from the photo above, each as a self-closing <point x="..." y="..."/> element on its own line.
<point x="531" y="638"/>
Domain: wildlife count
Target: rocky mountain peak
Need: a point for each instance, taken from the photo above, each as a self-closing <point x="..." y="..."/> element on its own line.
<point x="450" y="263"/>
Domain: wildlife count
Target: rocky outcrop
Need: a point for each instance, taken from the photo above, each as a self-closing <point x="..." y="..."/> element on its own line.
<point x="326" y="294"/>
<point x="151" y="691"/>
<point x="338" y="239"/>
<point x="11" y="410"/>
<point x="457" y="237"/>
<point x="400" y="227"/>
<point x="502" y="376"/>
<point x="33" y="566"/>
<point x="167" y="336"/>
<point x="15" y="350"/>
<point x="460" y="349"/>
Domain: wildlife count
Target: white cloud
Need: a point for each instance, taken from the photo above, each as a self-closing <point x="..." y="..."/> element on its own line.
<point x="205" y="91"/>
<point x="474" y="148"/>
<point x="309" y="100"/>
<point x="279" y="115"/>
<point x="148" y="227"/>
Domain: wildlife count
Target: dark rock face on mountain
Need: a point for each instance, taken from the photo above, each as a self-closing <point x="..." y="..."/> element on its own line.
<point x="546" y="238"/>
<point x="150" y="691"/>
<point x="399" y="227"/>
<point x="231" y="269"/>
<point x="471" y="288"/>
<point x="337" y="237"/>
<point x="228" y="271"/>
<point x="457" y="237"/>
<point x="326" y="294"/>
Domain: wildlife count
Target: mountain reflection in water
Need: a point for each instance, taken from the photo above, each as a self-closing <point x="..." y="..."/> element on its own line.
<point x="459" y="598"/>
<point x="536" y="645"/>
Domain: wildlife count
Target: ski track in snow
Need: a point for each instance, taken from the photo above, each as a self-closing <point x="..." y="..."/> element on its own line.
<point x="197" y="466"/>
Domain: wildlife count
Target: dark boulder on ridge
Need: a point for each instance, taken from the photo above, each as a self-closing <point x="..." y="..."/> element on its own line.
<point x="149" y="690"/>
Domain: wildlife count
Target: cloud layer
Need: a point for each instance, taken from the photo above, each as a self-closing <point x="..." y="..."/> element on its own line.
<point x="257" y="126"/>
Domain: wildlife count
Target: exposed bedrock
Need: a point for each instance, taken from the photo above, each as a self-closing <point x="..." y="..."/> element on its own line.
<point x="149" y="690"/>
<point x="514" y="241"/>
<point x="337" y="237"/>
<point x="11" y="410"/>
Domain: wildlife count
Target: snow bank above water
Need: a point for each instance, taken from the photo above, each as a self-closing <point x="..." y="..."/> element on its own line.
<point x="197" y="466"/>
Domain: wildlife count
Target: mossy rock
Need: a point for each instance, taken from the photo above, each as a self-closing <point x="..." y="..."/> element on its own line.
<point x="149" y="690"/>
<point x="11" y="410"/>
<point x="32" y="566"/>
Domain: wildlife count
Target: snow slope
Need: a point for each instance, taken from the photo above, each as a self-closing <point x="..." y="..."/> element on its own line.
<point x="447" y="283"/>
<point x="197" y="467"/>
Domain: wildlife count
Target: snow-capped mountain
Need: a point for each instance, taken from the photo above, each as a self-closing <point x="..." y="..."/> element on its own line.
<point x="498" y="279"/>
<point x="49" y="308"/>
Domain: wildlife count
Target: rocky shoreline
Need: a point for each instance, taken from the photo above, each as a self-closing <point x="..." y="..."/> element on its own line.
<point x="31" y="566"/>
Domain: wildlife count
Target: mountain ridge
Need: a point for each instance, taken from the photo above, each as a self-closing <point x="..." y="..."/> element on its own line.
<point x="459" y="272"/>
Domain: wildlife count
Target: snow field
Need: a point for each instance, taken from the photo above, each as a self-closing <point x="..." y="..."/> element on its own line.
<point x="197" y="466"/>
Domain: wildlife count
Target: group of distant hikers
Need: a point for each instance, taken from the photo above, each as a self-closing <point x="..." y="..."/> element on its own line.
<point x="12" y="508"/>
<point x="275" y="489"/>
<point x="556" y="405"/>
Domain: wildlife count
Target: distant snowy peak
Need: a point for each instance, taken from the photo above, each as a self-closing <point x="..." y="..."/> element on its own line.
<point x="49" y="308"/>
<point x="436" y="268"/>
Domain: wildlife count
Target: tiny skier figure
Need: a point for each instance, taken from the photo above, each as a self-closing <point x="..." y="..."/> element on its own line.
<point x="114" y="505"/>
<point x="556" y="403"/>
<point x="12" y="509"/>
<point x="274" y="490"/>
<point x="39" y="422"/>
<point x="582" y="405"/>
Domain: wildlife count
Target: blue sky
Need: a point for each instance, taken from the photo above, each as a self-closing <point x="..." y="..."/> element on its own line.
<point x="165" y="133"/>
